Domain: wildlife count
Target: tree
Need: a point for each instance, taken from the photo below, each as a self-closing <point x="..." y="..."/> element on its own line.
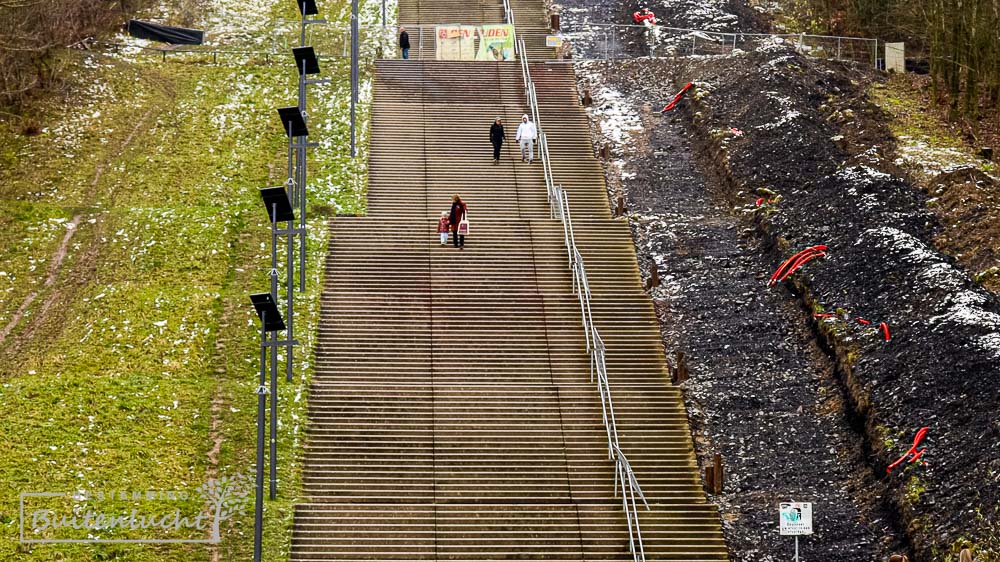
<point x="225" y="497"/>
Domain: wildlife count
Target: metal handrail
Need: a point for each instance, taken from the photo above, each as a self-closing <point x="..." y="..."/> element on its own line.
<point x="508" y="16"/>
<point x="626" y="484"/>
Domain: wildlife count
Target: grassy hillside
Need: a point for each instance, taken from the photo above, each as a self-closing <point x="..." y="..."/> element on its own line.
<point x="132" y="233"/>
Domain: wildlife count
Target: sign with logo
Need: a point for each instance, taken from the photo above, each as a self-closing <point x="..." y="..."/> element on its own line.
<point x="795" y="518"/>
<point x="134" y="516"/>
<point x="496" y="42"/>
<point x="553" y="41"/>
<point x="455" y="42"/>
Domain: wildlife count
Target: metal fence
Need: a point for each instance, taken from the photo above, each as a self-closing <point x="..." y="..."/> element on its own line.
<point x="590" y="41"/>
<point x="333" y="41"/>
<point x="626" y="484"/>
<point x="616" y="41"/>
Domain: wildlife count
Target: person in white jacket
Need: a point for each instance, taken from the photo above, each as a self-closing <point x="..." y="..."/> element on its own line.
<point x="526" y="135"/>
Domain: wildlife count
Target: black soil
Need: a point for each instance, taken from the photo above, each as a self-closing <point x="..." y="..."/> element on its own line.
<point x="805" y="132"/>
<point x="794" y="422"/>
<point x="942" y="367"/>
<point x="761" y="393"/>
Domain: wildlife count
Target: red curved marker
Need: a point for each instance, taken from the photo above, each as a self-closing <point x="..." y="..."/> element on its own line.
<point x="798" y="263"/>
<point x="677" y="98"/>
<point x="759" y="201"/>
<point x="824" y="315"/>
<point x="781" y="269"/>
<point x="912" y="451"/>
<point x="885" y="330"/>
<point x="863" y="321"/>
<point x="802" y="261"/>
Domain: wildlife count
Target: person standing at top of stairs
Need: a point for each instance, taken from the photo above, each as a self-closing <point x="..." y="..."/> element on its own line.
<point x="526" y="134"/>
<point x="496" y="139"/>
<point x="404" y="42"/>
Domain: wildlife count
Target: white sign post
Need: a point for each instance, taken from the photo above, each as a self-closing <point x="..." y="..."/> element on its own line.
<point x="794" y="519"/>
<point x="895" y="58"/>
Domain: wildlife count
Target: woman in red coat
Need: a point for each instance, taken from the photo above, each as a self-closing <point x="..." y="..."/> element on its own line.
<point x="457" y="215"/>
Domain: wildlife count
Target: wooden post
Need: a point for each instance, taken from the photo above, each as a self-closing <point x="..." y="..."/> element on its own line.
<point x="987" y="153"/>
<point x="717" y="479"/>
<point x="654" y="276"/>
<point x="620" y="206"/>
<point x="605" y="151"/>
<point x="587" y="99"/>
<point x="710" y="478"/>
<point x="681" y="371"/>
<point x="554" y="22"/>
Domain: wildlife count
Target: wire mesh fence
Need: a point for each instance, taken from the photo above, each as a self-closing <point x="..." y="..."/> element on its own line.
<point x="616" y="41"/>
<point x="589" y="41"/>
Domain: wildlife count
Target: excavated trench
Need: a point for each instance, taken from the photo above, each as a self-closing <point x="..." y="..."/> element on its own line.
<point x="765" y="390"/>
<point x="762" y="392"/>
<point x="799" y="405"/>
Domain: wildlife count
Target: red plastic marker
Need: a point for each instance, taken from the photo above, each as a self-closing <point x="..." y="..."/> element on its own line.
<point x="885" y="330"/>
<point x="913" y="450"/>
<point x="798" y="255"/>
<point x="677" y="98"/>
<point x="863" y="321"/>
<point x="799" y="263"/>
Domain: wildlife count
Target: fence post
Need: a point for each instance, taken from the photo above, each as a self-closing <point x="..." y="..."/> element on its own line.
<point x="838" y="49"/>
<point x="694" y="43"/>
<point x="718" y="473"/>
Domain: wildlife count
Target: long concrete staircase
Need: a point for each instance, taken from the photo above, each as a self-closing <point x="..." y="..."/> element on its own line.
<point x="452" y="414"/>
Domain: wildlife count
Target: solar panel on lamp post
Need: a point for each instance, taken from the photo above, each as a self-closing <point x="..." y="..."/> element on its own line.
<point x="270" y="323"/>
<point x="294" y="122"/>
<point x="306" y="63"/>
<point x="279" y="209"/>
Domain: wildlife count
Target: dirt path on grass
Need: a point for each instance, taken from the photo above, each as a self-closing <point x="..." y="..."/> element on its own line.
<point x="56" y="261"/>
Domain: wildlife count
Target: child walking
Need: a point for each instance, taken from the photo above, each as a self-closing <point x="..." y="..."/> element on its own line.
<point x="443" y="227"/>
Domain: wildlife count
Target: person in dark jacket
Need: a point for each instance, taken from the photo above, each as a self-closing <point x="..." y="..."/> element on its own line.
<point x="404" y="42"/>
<point x="496" y="139"/>
<point x="457" y="215"/>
